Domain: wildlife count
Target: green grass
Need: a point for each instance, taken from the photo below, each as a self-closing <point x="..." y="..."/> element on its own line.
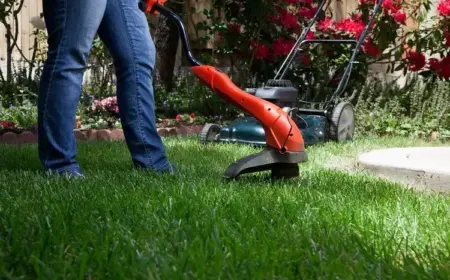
<point x="121" y="223"/>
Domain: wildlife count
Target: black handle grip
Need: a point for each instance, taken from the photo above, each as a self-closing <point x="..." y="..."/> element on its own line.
<point x="142" y="5"/>
<point x="180" y="26"/>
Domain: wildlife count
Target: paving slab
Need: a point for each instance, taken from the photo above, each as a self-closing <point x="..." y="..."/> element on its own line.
<point x="420" y="167"/>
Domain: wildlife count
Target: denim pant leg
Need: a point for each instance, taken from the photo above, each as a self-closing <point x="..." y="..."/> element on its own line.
<point x="71" y="27"/>
<point x="125" y="32"/>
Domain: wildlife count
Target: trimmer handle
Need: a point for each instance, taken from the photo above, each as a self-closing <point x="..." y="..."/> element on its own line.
<point x="148" y="6"/>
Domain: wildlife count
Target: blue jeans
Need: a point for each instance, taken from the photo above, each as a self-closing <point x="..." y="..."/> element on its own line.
<point x="72" y="26"/>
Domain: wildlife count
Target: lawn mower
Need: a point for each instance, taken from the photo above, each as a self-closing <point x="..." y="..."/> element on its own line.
<point x="336" y="121"/>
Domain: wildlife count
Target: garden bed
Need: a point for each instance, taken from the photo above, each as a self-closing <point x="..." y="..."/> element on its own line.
<point x="22" y="136"/>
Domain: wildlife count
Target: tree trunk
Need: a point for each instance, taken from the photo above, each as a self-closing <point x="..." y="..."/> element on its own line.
<point x="166" y="42"/>
<point x="9" y="51"/>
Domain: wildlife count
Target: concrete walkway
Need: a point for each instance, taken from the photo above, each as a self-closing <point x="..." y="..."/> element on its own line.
<point x="419" y="167"/>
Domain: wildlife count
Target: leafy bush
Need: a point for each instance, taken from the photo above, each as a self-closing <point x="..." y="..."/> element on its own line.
<point x="191" y="96"/>
<point x="416" y="109"/>
<point x="21" y="117"/>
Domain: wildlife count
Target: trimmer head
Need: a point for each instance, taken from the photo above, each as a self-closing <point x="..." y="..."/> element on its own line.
<point x="282" y="165"/>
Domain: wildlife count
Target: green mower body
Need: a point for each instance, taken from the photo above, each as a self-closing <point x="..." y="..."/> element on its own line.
<point x="247" y="130"/>
<point x="335" y="123"/>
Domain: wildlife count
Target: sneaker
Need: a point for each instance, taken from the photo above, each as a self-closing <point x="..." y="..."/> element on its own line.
<point x="171" y="169"/>
<point x="69" y="174"/>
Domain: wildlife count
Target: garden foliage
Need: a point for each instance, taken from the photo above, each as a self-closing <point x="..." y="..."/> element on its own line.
<point x="256" y="35"/>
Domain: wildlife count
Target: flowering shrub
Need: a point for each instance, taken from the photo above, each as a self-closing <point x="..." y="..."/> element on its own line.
<point x="108" y="104"/>
<point x="431" y="56"/>
<point x="7" y="125"/>
<point x="261" y="33"/>
<point x="18" y="118"/>
<point x="103" y="113"/>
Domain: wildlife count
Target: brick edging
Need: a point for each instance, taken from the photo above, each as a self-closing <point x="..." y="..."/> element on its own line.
<point x="28" y="137"/>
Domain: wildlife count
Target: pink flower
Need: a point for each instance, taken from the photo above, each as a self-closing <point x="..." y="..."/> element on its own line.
<point x="107" y="104"/>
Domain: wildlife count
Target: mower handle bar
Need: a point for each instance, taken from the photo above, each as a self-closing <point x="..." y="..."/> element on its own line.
<point x="357" y="45"/>
<point x="301" y="40"/>
<point x="180" y="26"/>
<point x="288" y="61"/>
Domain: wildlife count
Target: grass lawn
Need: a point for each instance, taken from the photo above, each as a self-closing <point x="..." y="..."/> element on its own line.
<point x="119" y="223"/>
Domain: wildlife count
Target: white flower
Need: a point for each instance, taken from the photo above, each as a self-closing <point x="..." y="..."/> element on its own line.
<point x="38" y="22"/>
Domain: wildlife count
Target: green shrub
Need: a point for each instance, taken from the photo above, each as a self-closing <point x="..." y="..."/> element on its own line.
<point x="417" y="109"/>
<point x="24" y="116"/>
<point x="188" y="96"/>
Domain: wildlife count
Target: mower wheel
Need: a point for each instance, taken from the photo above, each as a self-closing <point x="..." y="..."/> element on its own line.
<point x="209" y="133"/>
<point x="342" y="122"/>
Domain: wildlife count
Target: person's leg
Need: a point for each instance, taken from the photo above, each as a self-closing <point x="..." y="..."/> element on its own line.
<point x="71" y="27"/>
<point x="125" y="32"/>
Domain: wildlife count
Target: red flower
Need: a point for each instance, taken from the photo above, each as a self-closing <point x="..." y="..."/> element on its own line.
<point x="400" y="17"/>
<point x="416" y="60"/>
<point x="178" y="117"/>
<point x="441" y="68"/>
<point x="366" y="3"/>
<point x="307" y="13"/>
<point x="282" y="47"/>
<point x="447" y="37"/>
<point x="325" y="24"/>
<point x="6" y="124"/>
<point x="350" y="26"/>
<point x="274" y="18"/>
<point x="288" y="20"/>
<point x="303" y="2"/>
<point x="390" y="7"/>
<point x="444" y="71"/>
<point x="305" y="60"/>
<point x="192" y="115"/>
<point x="370" y="48"/>
<point x="434" y="64"/>
<point x="357" y="17"/>
<point x="262" y="52"/>
<point x="234" y="26"/>
<point x="444" y="8"/>
<point x="310" y="36"/>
